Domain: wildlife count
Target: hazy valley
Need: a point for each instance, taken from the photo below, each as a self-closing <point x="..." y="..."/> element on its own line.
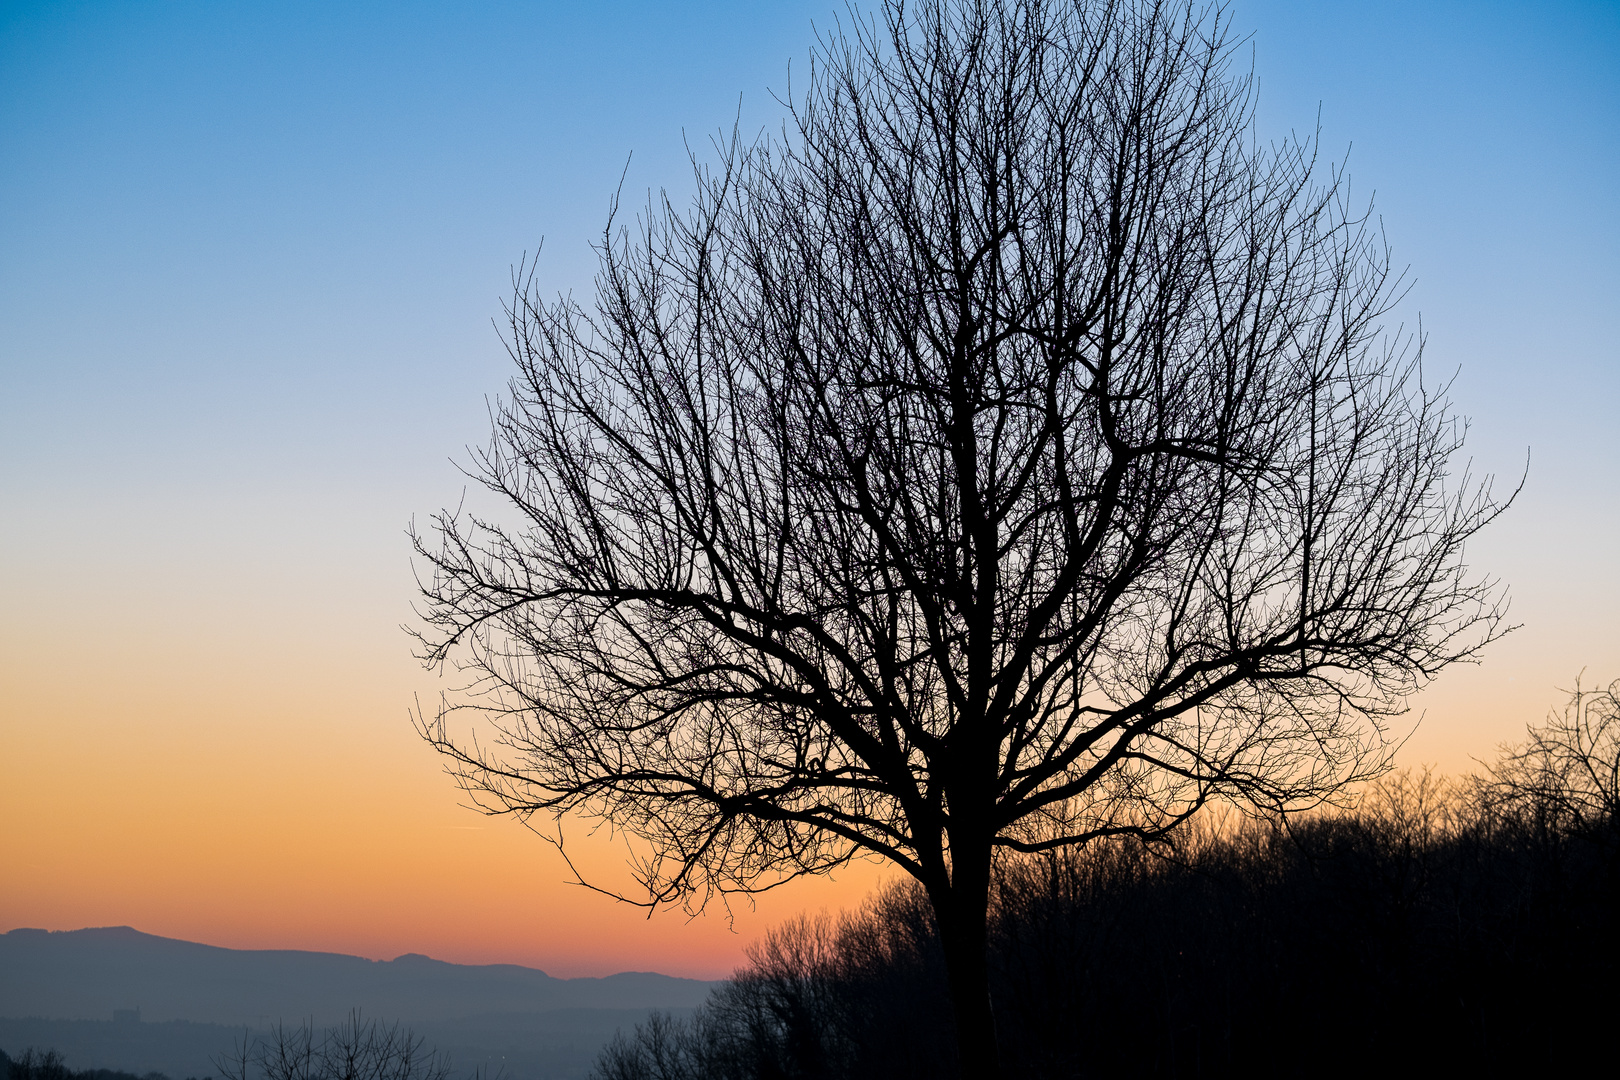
<point x="62" y="989"/>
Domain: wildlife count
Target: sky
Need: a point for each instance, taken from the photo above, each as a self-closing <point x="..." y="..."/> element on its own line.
<point x="249" y="259"/>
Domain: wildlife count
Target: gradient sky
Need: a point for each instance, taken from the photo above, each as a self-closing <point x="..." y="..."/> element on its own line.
<point x="249" y="255"/>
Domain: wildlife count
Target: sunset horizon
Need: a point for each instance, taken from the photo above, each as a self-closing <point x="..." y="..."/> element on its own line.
<point x="253" y="263"/>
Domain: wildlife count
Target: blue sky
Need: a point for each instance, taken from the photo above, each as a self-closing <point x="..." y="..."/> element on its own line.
<point x="250" y="254"/>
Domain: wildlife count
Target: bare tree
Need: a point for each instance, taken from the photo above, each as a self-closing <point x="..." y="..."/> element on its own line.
<point x="1566" y="775"/>
<point x="357" y="1049"/>
<point x="1008" y="454"/>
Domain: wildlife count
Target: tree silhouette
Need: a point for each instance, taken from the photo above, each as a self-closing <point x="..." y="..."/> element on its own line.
<point x="1007" y="455"/>
<point x="357" y="1049"/>
<point x="1566" y="774"/>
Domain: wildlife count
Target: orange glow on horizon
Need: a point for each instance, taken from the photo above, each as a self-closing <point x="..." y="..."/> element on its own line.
<point x="303" y="816"/>
<point x="307" y="815"/>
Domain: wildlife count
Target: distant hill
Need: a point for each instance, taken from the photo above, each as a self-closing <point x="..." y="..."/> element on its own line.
<point x="61" y="989"/>
<point x="87" y="974"/>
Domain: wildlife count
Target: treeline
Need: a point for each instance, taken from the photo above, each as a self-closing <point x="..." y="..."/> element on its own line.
<point x="357" y="1049"/>
<point x="48" y="1065"/>
<point x="1438" y="924"/>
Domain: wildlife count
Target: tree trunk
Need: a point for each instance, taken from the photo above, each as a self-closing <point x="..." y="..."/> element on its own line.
<point x="963" y="918"/>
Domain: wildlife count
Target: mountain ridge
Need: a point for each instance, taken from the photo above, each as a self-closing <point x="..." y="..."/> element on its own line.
<point x="88" y="973"/>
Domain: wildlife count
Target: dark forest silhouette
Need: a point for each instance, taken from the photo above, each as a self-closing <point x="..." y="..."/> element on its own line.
<point x="1459" y="925"/>
<point x="34" y="1064"/>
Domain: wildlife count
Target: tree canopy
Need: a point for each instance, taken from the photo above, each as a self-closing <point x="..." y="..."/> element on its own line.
<point x="1008" y="453"/>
